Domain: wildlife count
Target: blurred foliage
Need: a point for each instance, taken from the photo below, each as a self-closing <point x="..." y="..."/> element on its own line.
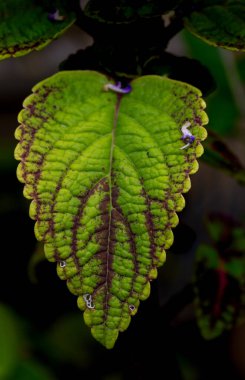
<point x="15" y="357"/>
<point x="220" y="277"/>
<point x="223" y="111"/>
<point x="10" y="338"/>
<point x="219" y="155"/>
<point x="219" y="23"/>
<point x="123" y="11"/>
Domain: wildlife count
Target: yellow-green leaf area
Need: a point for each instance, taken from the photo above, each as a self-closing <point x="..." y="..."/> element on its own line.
<point x="26" y="26"/>
<point x="106" y="173"/>
<point x="219" y="23"/>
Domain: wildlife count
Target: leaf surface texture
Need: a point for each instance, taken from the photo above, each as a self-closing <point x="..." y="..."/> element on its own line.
<point x="219" y="23"/>
<point x="25" y="26"/>
<point x="105" y="172"/>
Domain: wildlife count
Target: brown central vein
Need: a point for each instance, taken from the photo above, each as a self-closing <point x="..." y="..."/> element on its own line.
<point x="108" y="260"/>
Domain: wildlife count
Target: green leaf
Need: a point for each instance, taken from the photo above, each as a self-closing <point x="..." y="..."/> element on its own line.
<point x="25" y="27"/>
<point x="219" y="23"/>
<point x="106" y="173"/>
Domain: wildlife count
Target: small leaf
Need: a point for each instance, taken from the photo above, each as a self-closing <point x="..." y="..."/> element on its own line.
<point x="219" y="23"/>
<point x="220" y="278"/>
<point x="106" y="173"/>
<point x="25" y="26"/>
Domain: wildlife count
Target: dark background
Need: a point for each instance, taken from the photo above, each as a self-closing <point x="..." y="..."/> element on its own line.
<point x="42" y="333"/>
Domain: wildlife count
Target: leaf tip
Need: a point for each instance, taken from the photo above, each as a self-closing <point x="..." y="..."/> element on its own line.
<point x="107" y="337"/>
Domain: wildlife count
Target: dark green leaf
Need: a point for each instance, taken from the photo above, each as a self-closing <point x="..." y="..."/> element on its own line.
<point x="223" y="111"/>
<point x="123" y="11"/>
<point x="219" y="23"/>
<point x="183" y="69"/>
<point x="25" y="26"/>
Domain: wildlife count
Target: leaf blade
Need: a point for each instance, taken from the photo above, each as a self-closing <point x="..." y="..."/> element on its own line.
<point x="220" y="23"/>
<point x="25" y="27"/>
<point x="106" y="174"/>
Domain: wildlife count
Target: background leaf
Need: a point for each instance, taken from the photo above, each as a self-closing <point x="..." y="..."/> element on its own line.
<point x="223" y="109"/>
<point x="123" y="11"/>
<point x="106" y="174"/>
<point x="218" y="155"/>
<point x="25" y="26"/>
<point x="183" y="69"/>
<point x="220" y="278"/>
<point x="30" y="369"/>
<point x="10" y="341"/>
<point x="219" y="23"/>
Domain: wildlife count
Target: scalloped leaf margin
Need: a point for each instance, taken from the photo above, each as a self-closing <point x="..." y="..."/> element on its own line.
<point x="25" y="26"/>
<point x="219" y="23"/>
<point x="105" y="173"/>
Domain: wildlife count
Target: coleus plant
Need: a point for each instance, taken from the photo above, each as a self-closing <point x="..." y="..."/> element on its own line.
<point x="108" y="144"/>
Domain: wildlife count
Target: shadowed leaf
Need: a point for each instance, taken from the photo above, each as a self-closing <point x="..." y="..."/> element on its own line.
<point x="112" y="61"/>
<point x="25" y="26"/>
<point x="123" y="11"/>
<point x="106" y="173"/>
<point x="182" y="69"/>
<point x="120" y="50"/>
<point x="219" y="23"/>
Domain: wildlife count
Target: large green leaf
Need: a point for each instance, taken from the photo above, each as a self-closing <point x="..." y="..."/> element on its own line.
<point x="219" y="23"/>
<point x="25" y="26"/>
<point x="106" y="173"/>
